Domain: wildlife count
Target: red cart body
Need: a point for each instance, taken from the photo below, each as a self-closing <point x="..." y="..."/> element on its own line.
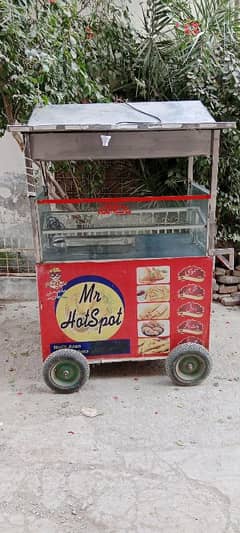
<point x="118" y="310"/>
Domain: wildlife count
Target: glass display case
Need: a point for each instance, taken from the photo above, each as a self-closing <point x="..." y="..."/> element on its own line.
<point x="132" y="228"/>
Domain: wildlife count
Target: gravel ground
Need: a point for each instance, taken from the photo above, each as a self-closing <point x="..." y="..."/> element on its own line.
<point x="158" y="458"/>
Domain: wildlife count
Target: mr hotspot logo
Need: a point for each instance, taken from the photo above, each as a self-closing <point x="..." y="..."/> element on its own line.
<point x="89" y="308"/>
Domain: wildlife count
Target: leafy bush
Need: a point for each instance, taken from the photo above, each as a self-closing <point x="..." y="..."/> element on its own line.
<point x="41" y="57"/>
<point x="112" y="52"/>
<point x="191" y="50"/>
<point x="55" y="51"/>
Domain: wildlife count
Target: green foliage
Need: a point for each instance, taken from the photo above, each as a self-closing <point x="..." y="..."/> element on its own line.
<point x="42" y="58"/>
<point x="112" y="52"/>
<point x="201" y="60"/>
<point x="55" y="51"/>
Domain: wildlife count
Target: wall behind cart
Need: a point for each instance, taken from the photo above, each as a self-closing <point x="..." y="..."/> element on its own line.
<point x="15" y="227"/>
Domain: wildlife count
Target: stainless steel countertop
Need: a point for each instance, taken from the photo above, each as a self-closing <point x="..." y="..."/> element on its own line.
<point x="188" y="114"/>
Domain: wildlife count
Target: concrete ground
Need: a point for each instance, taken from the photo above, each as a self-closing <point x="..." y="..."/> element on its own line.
<point x="158" y="458"/>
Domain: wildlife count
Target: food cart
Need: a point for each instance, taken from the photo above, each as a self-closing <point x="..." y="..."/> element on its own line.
<point x="123" y="277"/>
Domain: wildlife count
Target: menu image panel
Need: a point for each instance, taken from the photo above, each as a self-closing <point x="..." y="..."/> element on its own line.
<point x="153" y="293"/>
<point x="192" y="273"/>
<point x="191" y="292"/>
<point x="153" y="328"/>
<point x="153" y="346"/>
<point x="191" y="326"/>
<point x="191" y="309"/>
<point x="153" y="310"/>
<point x="155" y="274"/>
<point x="192" y="298"/>
<point x="173" y="304"/>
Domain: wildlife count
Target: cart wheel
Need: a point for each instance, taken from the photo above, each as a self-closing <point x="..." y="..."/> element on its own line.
<point x="188" y="364"/>
<point x="66" y="370"/>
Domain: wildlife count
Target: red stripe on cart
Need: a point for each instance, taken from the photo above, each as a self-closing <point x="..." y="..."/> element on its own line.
<point x="131" y="199"/>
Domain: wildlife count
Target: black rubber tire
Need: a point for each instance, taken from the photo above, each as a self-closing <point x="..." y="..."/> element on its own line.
<point x="58" y="357"/>
<point x="179" y="354"/>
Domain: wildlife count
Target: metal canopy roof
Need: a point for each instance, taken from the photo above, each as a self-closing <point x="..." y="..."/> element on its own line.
<point x="188" y="114"/>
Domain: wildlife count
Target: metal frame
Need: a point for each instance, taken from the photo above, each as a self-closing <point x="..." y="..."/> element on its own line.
<point x="214" y="183"/>
<point x="190" y="174"/>
<point x="125" y="359"/>
<point x="24" y="128"/>
<point x="221" y="253"/>
<point x="212" y="149"/>
<point x="31" y="192"/>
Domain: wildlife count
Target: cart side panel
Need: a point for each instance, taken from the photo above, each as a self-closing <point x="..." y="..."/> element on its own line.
<point x="117" y="310"/>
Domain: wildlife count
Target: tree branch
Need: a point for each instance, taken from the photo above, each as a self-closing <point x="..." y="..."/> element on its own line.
<point x="11" y="119"/>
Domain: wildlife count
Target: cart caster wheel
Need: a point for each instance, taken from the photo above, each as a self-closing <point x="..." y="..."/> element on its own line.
<point x="188" y="364"/>
<point x="66" y="370"/>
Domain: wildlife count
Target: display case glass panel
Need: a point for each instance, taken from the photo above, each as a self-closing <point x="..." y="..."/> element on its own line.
<point x="105" y="229"/>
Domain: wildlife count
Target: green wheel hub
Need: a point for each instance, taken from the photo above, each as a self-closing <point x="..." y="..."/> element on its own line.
<point x="65" y="372"/>
<point x="190" y="367"/>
